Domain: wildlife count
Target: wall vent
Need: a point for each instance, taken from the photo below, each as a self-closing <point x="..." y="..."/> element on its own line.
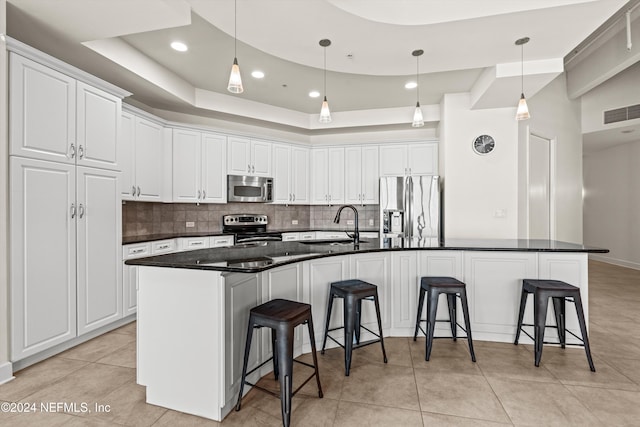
<point x="622" y="114"/>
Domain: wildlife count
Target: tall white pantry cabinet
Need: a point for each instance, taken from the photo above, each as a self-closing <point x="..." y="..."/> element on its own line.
<point x="65" y="204"/>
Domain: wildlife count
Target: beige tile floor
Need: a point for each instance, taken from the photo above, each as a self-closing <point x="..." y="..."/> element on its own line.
<point x="502" y="388"/>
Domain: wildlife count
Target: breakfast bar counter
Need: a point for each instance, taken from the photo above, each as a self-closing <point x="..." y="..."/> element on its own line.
<point x="193" y="307"/>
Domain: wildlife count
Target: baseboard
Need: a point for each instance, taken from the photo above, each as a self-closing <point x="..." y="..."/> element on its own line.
<point x="615" y="261"/>
<point x="6" y="372"/>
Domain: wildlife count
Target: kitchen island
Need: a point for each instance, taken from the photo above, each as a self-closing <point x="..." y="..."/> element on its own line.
<point x="193" y="306"/>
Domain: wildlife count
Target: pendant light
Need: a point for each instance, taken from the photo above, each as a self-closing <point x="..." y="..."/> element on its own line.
<point x="523" y="111"/>
<point x="235" y="80"/>
<point x="325" y="114"/>
<point x="418" y="120"/>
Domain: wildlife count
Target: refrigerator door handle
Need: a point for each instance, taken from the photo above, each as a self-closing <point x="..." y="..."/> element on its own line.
<point x="408" y="224"/>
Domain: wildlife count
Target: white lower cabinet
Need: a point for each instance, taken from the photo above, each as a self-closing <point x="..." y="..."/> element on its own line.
<point x="65" y="253"/>
<point x="405" y="282"/>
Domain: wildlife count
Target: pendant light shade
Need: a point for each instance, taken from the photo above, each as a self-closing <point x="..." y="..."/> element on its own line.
<point x="418" y="120"/>
<point x="523" y="110"/>
<point x="325" y="113"/>
<point x="235" y="79"/>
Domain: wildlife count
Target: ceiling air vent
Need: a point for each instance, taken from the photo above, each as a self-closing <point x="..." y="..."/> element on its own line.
<point x="622" y="114"/>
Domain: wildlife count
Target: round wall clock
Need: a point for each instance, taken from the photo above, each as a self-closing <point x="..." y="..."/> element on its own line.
<point x="484" y="144"/>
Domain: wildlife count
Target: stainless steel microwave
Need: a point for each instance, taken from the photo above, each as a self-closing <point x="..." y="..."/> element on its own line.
<point x="241" y="188"/>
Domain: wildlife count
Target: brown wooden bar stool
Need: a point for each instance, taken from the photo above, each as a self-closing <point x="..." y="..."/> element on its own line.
<point x="282" y="316"/>
<point x="561" y="292"/>
<point x="433" y="287"/>
<point x="353" y="292"/>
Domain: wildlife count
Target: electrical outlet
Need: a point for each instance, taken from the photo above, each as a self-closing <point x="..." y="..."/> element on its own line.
<point x="349" y="222"/>
<point x="190" y="224"/>
<point x="371" y="221"/>
<point x="294" y="222"/>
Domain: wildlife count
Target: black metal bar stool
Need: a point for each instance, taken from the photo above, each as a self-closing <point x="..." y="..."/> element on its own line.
<point x="561" y="292"/>
<point x="282" y="316"/>
<point x="353" y="292"/>
<point x="433" y="287"/>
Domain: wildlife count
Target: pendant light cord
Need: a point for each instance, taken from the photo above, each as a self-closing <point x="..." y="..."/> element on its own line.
<point x="325" y="72"/>
<point x="522" y="68"/>
<point x="417" y="78"/>
<point x="235" y="28"/>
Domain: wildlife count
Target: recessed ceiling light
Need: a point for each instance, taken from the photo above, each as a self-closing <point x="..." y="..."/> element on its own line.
<point x="314" y="94"/>
<point x="257" y="74"/>
<point x="411" y="85"/>
<point x="179" y="46"/>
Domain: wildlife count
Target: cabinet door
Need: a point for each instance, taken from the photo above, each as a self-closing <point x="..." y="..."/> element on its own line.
<point x="319" y="170"/>
<point x="261" y="158"/>
<point x="300" y="175"/>
<point x="43" y="112"/>
<point x="393" y="160"/>
<point x="149" y="160"/>
<point x="404" y="273"/>
<point x="336" y="175"/>
<point x="423" y="158"/>
<point x="239" y="156"/>
<point x="129" y="289"/>
<point x="43" y="258"/>
<point x="374" y="268"/>
<point x="186" y="166"/>
<point x="370" y="176"/>
<point x="127" y="158"/>
<point x="214" y="168"/>
<point x="99" y="247"/>
<point x="282" y="174"/>
<point x="98" y="127"/>
<point x="353" y="175"/>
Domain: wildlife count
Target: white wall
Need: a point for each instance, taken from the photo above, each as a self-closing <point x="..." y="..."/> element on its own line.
<point x="612" y="203"/>
<point x="476" y="186"/>
<point x="555" y="116"/>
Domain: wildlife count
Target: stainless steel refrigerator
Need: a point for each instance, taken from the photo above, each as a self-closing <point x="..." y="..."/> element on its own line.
<point x="410" y="208"/>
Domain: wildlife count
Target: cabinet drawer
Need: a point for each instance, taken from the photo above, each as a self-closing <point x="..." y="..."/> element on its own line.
<point x="192" y="243"/>
<point x="163" y="246"/>
<point x="136" y="250"/>
<point x="290" y="237"/>
<point x="326" y="235"/>
<point x="218" y="241"/>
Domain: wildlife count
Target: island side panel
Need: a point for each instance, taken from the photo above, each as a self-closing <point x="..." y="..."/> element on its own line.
<point x="181" y="339"/>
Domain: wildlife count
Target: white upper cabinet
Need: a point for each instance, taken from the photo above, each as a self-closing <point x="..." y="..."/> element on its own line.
<point x="328" y="172"/>
<point x="146" y="153"/>
<point x="409" y="159"/>
<point x="98" y="128"/>
<point x="290" y="174"/>
<point x="248" y="157"/>
<point x="361" y="175"/>
<point x="199" y="167"/>
<point x="54" y="117"/>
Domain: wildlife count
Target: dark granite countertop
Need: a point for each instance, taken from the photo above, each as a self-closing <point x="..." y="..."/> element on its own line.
<point x="126" y="240"/>
<point x="253" y="258"/>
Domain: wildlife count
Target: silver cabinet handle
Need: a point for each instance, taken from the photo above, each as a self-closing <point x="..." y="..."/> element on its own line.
<point x="80" y="152"/>
<point x="198" y="194"/>
<point x="195" y="244"/>
<point x="138" y="191"/>
<point x="133" y="191"/>
<point x="163" y="246"/>
<point x="73" y="210"/>
<point x="248" y="168"/>
<point x="290" y="199"/>
<point x="72" y="150"/>
<point x="81" y="211"/>
<point x="204" y="194"/>
<point x="137" y="251"/>
<point x="294" y="197"/>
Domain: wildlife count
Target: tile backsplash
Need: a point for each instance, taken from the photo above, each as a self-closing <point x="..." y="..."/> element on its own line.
<point x="144" y="218"/>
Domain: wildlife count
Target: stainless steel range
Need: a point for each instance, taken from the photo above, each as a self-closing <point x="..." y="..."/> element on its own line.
<point x="249" y="228"/>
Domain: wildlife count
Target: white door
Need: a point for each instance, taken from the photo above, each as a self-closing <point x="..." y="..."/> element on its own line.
<point x="149" y="160"/>
<point x="393" y="160"/>
<point x="319" y="170"/>
<point x="300" y="175"/>
<point x="129" y="289"/>
<point x="186" y="166"/>
<point x="239" y="156"/>
<point x="214" y="168"/>
<point x="541" y="215"/>
<point x="99" y="248"/>
<point x="43" y="255"/>
<point x="370" y="176"/>
<point x="282" y="193"/>
<point x="261" y="158"/>
<point x="353" y="175"/>
<point x="43" y="112"/>
<point x="98" y="127"/>
<point x="127" y="157"/>
<point x="422" y="158"/>
<point x="336" y="175"/>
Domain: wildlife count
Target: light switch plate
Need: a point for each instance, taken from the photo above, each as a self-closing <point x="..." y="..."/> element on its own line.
<point x="190" y="224"/>
<point x="294" y="221"/>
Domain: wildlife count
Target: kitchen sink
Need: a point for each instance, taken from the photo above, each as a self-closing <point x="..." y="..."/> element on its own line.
<point x="333" y="242"/>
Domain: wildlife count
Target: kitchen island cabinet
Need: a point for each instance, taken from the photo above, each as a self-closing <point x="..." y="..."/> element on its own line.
<point x="194" y="306"/>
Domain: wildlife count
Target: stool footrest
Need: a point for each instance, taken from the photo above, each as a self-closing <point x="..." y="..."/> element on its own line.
<point x="581" y="344"/>
<point x="266" y="390"/>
